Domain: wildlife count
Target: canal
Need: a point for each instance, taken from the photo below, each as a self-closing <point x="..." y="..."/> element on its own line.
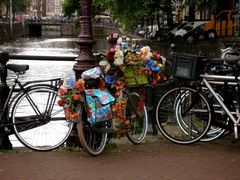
<point x="68" y="47"/>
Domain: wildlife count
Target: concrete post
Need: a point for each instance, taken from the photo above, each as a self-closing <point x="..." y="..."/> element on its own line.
<point x="4" y="90"/>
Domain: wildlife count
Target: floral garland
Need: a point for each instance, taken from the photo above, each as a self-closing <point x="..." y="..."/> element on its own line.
<point x="69" y="98"/>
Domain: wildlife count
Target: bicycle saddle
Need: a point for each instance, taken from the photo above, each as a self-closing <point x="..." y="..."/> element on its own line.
<point x="17" y="67"/>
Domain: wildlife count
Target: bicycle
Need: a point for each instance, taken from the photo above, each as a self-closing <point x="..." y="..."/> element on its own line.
<point x="33" y="114"/>
<point x="191" y="112"/>
<point x="94" y="136"/>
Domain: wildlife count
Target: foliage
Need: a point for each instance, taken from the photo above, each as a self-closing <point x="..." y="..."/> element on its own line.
<point x="18" y="6"/>
<point x="98" y="6"/>
<point x="131" y="13"/>
<point x="69" y="7"/>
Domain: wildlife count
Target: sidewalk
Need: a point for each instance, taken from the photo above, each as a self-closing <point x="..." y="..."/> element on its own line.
<point x="156" y="159"/>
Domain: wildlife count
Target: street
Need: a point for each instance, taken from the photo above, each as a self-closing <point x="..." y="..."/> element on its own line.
<point x="156" y="159"/>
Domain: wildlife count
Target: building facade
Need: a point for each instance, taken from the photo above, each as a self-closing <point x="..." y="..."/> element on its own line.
<point x="46" y="8"/>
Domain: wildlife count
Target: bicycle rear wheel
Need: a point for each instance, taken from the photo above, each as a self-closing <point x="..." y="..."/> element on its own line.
<point x="43" y="126"/>
<point x="92" y="141"/>
<point x="136" y="114"/>
<point x="183" y="115"/>
<point x="215" y="132"/>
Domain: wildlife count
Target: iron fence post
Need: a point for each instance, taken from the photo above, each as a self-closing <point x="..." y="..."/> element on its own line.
<point x="4" y="90"/>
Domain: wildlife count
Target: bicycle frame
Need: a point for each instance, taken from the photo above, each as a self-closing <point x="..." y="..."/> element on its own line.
<point x="215" y="79"/>
<point x="23" y="88"/>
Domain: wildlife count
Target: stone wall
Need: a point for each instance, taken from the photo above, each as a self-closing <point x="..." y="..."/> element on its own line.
<point x="18" y="31"/>
<point x="70" y="29"/>
<point x="66" y="29"/>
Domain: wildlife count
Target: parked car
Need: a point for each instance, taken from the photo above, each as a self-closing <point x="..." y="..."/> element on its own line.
<point x="178" y="36"/>
<point x="178" y="27"/>
<point x="164" y="34"/>
<point x="195" y="34"/>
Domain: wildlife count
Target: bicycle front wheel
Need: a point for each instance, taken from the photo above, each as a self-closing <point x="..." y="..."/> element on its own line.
<point x="92" y="141"/>
<point x="38" y="121"/>
<point x="136" y="114"/>
<point x="183" y="115"/>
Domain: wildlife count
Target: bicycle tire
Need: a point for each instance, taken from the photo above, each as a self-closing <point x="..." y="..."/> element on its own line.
<point x="214" y="132"/>
<point x="92" y="142"/>
<point x="44" y="132"/>
<point x="170" y="115"/>
<point x="138" y="122"/>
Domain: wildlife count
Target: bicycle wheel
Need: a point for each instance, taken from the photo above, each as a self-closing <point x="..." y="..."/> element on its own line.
<point x="135" y="111"/>
<point x="43" y="126"/>
<point x="92" y="141"/>
<point x="214" y="131"/>
<point x="183" y="115"/>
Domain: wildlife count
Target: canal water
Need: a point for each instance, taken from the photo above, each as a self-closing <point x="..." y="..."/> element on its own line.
<point x="47" y="47"/>
<point x="68" y="47"/>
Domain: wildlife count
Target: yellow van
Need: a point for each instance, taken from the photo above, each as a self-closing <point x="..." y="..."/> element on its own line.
<point x="226" y="23"/>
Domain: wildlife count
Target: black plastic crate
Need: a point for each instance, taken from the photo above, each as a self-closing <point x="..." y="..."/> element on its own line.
<point x="187" y="66"/>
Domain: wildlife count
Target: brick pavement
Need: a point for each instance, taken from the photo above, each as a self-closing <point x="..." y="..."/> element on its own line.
<point x="156" y="159"/>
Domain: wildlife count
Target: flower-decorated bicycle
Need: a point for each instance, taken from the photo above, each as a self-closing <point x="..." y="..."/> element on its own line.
<point x="105" y="100"/>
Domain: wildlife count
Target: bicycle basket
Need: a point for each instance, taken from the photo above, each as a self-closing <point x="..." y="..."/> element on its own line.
<point x="133" y="76"/>
<point x="187" y="66"/>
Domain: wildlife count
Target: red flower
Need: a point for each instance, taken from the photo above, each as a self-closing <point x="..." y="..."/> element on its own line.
<point x="110" y="55"/>
<point x="61" y="102"/>
<point x="81" y="88"/>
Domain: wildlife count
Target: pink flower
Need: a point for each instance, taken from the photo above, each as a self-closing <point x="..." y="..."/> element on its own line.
<point x="62" y="91"/>
<point x="104" y="97"/>
<point x="117" y="93"/>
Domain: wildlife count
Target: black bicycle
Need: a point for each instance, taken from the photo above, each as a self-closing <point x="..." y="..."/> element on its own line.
<point x="32" y="113"/>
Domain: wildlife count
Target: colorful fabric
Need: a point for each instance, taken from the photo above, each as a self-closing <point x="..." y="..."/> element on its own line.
<point x="98" y="105"/>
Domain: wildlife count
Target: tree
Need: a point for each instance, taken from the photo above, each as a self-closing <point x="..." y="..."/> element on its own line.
<point x="18" y="6"/>
<point x="70" y="7"/>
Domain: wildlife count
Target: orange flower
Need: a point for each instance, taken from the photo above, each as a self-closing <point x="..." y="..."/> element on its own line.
<point x="76" y="97"/>
<point x="75" y="115"/>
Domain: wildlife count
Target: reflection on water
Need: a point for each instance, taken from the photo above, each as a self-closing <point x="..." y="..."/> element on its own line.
<point x="47" y="47"/>
<point x="68" y="46"/>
